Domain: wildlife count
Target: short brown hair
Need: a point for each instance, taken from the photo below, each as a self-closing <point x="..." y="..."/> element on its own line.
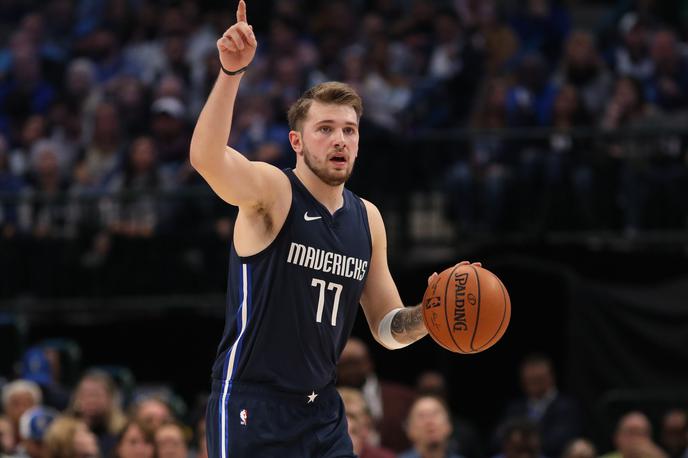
<point x="332" y="92"/>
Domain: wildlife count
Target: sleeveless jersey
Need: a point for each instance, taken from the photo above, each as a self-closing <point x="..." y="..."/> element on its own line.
<point x="291" y="307"/>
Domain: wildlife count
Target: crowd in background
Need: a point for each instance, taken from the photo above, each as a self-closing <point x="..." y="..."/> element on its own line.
<point x="106" y="413"/>
<point x="98" y="100"/>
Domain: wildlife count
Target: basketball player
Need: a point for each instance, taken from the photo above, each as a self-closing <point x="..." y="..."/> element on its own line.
<point x="305" y="252"/>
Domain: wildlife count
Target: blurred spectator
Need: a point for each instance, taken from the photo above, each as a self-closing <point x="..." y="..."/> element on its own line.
<point x="548" y="174"/>
<point x="483" y="18"/>
<point x="286" y="81"/>
<point x="66" y="128"/>
<point x="477" y="184"/>
<point x="285" y="39"/>
<point x="80" y="88"/>
<point x="673" y="436"/>
<point x="542" y="27"/>
<point x="134" y="441"/>
<point x="556" y="415"/>
<point x="627" y="108"/>
<point x="389" y="403"/>
<point x="68" y="437"/>
<point x="103" y="150"/>
<point x="25" y="91"/>
<point x="135" y="211"/>
<point x="631" y="57"/>
<point x="33" y="130"/>
<point x="579" y="448"/>
<point x="47" y="211"/>
<point x="429" y="428"/>
<point x="648" y="167"/>
<point x="33" y="425"/>
<point x="361" y="427"/>
<point x="583" y="68"/>
<point x="333" y="23"/>
<point x="96" y="402"/>
<point x="10" y="187"/>
<point x="175" y="63"/>
<point x="353" y="426"/>
<point x="103" y="47"/>
<point x="529" y="100"/>
<point x="151" y="412"/>
<point x="133" y="103"/>
<point x="41" y="364"/>
<point x="519" y="438"/>
<point x="7" y="438"/>
<point x="668" y="86"/>
<point x="201" y="442"/>
<point x="170" y="131"/>
<point x="170" y="85"/>
<point x="465" y="439"/>
<point x="204" y="73"/>
<point x="633" y="438"/>
<point x="171" y="441"/>
<point x="456" y="63"/>
<point x="259" y="135"/>
<point x="385" y="94"/>
<point x="18" y="397"/>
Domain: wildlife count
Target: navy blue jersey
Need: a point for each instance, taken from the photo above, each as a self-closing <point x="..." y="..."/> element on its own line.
<point x="291" y="307"/>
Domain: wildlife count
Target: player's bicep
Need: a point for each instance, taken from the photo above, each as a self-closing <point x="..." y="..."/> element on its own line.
<point x="241" y="182"/>
<point x="380" y="294"/>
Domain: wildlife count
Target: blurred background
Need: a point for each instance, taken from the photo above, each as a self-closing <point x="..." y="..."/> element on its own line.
<point x="546" y="139"/>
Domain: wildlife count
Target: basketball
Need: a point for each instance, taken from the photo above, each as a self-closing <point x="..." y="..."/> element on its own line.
<point x="466" y="309"/>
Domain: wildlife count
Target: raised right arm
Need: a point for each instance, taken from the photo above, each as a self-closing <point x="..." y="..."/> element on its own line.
<point x="234" y="178"/>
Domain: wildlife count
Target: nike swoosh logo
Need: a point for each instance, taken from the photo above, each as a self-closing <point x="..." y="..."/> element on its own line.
<point x="310" y="218"/>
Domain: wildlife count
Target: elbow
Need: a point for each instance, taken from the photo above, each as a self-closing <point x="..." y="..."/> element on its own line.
<point x="196" y="159"/>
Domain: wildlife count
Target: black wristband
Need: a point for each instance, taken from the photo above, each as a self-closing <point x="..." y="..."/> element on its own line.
<point x="227" y="72"/>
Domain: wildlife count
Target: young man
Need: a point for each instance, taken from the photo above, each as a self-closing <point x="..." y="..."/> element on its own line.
<point x="305" y="252"/>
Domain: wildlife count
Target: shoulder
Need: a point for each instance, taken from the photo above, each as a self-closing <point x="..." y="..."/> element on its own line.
<point x="377" y="225"/>
<point x="370" y="207"/>
<point x="374" y="215"/>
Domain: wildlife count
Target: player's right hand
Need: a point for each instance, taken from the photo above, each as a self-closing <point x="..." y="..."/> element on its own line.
<point x="237" y="46"/>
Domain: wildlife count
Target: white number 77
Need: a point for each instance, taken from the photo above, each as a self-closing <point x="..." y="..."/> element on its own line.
<point x="321" y="299"/>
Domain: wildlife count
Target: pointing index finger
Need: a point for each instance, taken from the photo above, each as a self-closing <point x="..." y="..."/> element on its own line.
<point x="241" y="11"/>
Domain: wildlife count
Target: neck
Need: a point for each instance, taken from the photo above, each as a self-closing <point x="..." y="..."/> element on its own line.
<point x="433" y="450"/>
<point x="332" y="197"/>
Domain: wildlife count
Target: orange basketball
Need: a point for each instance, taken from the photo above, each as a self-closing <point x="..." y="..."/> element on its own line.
<point x="466" y="309"/>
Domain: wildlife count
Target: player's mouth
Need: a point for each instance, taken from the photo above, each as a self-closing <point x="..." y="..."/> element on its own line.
<point x="339" y="160"/>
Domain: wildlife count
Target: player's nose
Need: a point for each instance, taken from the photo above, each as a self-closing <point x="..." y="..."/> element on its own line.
<point x="339" y="138"/>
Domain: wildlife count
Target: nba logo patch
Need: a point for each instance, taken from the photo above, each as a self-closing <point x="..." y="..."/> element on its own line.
<point x="243" y="416"/>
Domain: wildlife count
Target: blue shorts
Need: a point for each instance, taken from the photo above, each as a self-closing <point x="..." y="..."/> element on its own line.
<point x="245" y="420"/>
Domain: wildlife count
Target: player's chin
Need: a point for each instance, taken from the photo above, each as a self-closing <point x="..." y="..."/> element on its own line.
<point x="338" y="176"/>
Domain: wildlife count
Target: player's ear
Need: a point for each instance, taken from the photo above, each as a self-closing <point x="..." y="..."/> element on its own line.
<point x="295" y="140"/>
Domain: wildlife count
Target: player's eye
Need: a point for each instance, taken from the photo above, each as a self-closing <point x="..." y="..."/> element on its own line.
<point x="349" y="130"/>
<point x="325" y="129"/>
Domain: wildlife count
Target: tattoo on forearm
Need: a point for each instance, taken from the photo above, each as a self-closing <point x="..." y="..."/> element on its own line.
<point x="407" y="324"/>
